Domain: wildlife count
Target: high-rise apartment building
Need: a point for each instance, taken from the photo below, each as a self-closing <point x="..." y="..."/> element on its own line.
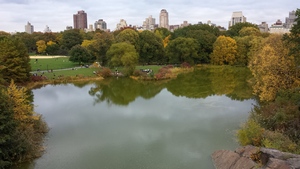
<point x="237" y="17"/>
<point x="29" y="28"/>
<point x="290" y="21"/>
<point x="80" y="20"/>
<point x="121" y="24"/>
<point x="164" y="19"/>
<point x="149" y="23"/>
<point x="100" y="24"/>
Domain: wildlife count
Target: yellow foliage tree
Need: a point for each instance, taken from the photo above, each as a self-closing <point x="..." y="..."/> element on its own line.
<point x="87" y="43"/>
<point x="49" y="43"/>
<point x="41" y="46"/>
<point x="166" y="40"/>
<point x="273" y="69"/>
<point x="23" y="109"/>
<point x="224" y="52"/>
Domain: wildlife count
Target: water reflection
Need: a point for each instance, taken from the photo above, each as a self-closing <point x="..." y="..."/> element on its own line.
<point x="173" y="125"/>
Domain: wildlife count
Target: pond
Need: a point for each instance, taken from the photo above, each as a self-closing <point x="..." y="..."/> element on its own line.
<point x="121" y="123"/>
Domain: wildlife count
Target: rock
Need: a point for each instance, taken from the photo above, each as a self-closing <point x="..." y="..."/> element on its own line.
<point x="266" y="159"/>
<point x="224" y="159"/>
<point x="277" y="164"/>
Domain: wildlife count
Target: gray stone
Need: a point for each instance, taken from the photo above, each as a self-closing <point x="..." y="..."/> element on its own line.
<point x="294" y="162"/>
<point x="247" y="151"/>
<point x="277" y="164"/>
<point x="224" y="159"/>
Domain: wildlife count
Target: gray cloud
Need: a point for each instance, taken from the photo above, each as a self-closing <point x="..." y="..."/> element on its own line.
<point x="58" y="14"/>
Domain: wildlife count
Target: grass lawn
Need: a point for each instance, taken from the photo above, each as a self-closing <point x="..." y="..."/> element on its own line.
<point x="65" y="73"/>
<point x="52" y="63"/>
<point x="45" y="64"/>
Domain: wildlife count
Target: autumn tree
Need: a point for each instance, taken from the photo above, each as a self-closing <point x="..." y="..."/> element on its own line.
<point x="225" y="50"/>
<point x="182" y="50"/>
<point x="151" y="48"/>
<point x="273" y="69"/>
<point x="15" y="61"/>
<point x="23" y="130"/>
<point x="41" y="46"/>
<point x="123" y="54"/>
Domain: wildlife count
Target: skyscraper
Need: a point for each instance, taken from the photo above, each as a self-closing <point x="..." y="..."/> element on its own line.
<point x="29" y="28"/>
<point x="100" y="24"/>
<point x="164" y="19"/>
<point x="149" y="23"/>
<point x="80" y="20"/>
<point x="237" y="17"/>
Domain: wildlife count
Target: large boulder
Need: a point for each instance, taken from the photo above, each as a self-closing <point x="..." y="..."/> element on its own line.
<point x="250" y="157"/>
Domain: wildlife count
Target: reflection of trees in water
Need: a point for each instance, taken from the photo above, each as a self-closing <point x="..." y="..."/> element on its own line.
<point x="122" y="91"/>
<point x="225" y="80"/>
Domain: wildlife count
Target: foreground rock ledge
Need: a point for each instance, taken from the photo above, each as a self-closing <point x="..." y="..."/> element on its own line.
<point x="251" y="157"/>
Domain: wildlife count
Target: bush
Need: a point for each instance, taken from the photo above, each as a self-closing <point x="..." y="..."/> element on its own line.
<point x="105" y="72"/>
<point x="278" y="141"/>
<point x="250" y="133"/>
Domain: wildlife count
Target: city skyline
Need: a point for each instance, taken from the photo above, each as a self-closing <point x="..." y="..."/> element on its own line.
<point x="14" y="14"/>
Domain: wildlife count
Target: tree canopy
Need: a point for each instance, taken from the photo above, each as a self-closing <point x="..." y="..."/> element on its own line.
<point x="225" y="50"/>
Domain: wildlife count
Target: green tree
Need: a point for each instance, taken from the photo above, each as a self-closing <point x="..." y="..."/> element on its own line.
<point x="80" y="54"/>
<point x="28" y="40"/>
<point x="225" y="50"/>
<point x="71" y="38"/>
<point x="182" y="50"/>
<point x="151" y="48"/>
<point x="293" y="38"/>
<point x="52" y="48"/>
<point x="235" y="29"/>
<point x="123" y="54"/>
<point x="162" y="32"/>
<point x="249" y="31"/>
<point x="129" y="35"/>
<point x="15" y="60"/>
<point x="101" y="44"/>
<point x="184" y="32"/>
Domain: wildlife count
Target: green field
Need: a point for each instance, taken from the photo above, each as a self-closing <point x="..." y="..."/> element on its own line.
<point x="63" y="67"/>
<point x="52" y="63"/>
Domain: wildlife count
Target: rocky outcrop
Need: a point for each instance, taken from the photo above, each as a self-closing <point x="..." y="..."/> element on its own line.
<point x="251" y="157"/>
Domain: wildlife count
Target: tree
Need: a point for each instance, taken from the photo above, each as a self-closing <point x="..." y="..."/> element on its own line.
<point x="151" y="48"/>
<point x="21" y="129"/>
<point x="71" y="38"/>
<point x="80" y="54"/>
<point x="273" y="69"/>
<point x="249" y="31"/>
<point x="225" y="50"/>
<point x="123" y="54"/>
<point x="235" y="29"/>
<point x="183" y="32"/>
<point x="52" y="48"/>
<point x="99" y="47"/>
<point x="41" y="46"/>
<point x="162" y="32"/>
<point x="293" y="38"/>
<point x="129" y="35"/>
<point x="182" y="50"/>
<point x="15" y="60"/>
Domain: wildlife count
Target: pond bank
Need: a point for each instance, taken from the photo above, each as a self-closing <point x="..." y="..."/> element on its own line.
<point x="250" y="157"/>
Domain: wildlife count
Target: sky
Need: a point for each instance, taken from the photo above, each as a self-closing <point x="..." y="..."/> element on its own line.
<point x="57" y="14"/>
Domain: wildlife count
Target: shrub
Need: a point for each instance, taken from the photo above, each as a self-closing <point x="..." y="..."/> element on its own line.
<point x="105" y="72"/>
<point x="250" y="133"/>
<point x="276" y="140"/>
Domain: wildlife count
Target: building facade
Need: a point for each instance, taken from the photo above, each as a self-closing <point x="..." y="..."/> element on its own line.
<point x="149" y="23"/>
<point x="29" y="28"/>
<point x="263" y="27"/>
<point x="121" y="24"/>
<point x="290" y="21"/>
<point x="237" y="17"/>
<point x="164" y="19"/>
<point x="80" y="20"/>
<point x="100" y="24"/>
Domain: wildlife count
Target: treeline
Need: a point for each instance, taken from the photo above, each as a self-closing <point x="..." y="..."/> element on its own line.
<point x="274" y="63"/>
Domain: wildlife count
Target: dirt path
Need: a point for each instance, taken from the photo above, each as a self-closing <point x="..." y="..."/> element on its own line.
<point x="45" y="57"/>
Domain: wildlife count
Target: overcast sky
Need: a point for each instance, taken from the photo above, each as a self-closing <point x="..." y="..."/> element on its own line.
<point x="57" y="14"/>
